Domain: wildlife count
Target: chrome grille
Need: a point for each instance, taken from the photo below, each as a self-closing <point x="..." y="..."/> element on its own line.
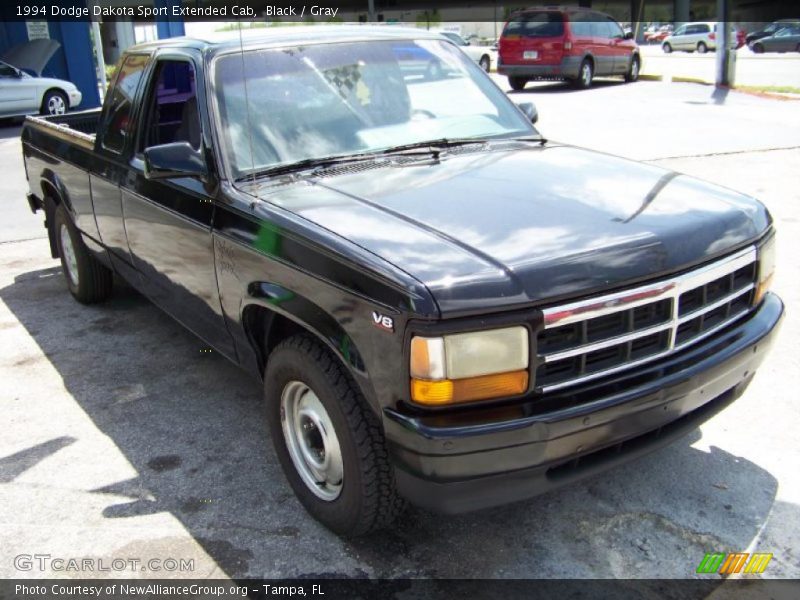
<point x="592" y="338"/>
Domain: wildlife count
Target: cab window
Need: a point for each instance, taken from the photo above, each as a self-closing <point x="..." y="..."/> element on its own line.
<point x="116" y="122"/>
<point x="172" y="113"/>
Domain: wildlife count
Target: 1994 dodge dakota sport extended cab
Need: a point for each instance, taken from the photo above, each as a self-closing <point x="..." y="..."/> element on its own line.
<point x="444" y="307"/>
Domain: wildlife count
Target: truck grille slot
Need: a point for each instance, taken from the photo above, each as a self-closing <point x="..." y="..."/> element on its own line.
<point x="590" y="339"/>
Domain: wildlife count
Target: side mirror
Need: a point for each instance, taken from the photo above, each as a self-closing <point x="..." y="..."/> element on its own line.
<point x="529" y="110"/>
<point x="178" y="159"/>
<point x="629" y="35"/>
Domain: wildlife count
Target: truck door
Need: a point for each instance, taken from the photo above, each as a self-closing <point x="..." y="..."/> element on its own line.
<point x="111" y="164"/>
<point x="168" y="221"/>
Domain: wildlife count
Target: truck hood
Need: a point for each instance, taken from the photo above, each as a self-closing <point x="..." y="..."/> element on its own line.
<point x="493" y="229"/>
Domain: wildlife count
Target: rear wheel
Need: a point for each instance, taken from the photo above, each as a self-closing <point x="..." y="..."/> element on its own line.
<point x="666" y="47"/>
<point x="88" y="280"/>
<point x="702" y="48"/>
<point x="585" y="75"/>
<point x="329" y="443"/>
<point x="54" y="103"/>
<point x="517" y="83"/>
<point x="633" y="72"/>
<point x="798" y="48"/>
<point x="485" y="63"/>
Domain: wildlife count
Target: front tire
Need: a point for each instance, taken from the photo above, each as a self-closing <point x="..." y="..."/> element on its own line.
<point x="517" y="83"/>
<point x="759" y="48"/>
<point x="485" y="63"/>
<point x="633" y="72"/>
<point x="89" y="281"/>
<point x="667" y="48"/>
<point x="54" y="103"/>
<point x="328" y="441"/>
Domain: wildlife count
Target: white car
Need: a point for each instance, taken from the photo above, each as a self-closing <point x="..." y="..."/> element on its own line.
<point x="483" y="55"/>
<point x="22" y="93"/>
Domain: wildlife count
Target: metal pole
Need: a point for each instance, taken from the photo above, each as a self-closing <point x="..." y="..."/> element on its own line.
<point x="101" y="62"/>
<point x="725" y="62"/>
<point x="371" y="11"/>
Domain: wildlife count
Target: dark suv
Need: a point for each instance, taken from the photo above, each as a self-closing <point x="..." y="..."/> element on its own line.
<point x="572" y="44"/>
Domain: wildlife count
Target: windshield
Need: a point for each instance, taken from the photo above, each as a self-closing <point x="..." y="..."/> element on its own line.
<point x="325" y="100"/>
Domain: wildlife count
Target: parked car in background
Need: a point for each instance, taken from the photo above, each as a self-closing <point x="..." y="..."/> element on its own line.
<point x="572" y="44"/>
<point x="770" y="30"/>
<point x="23" y="93"/>
<point x="657" y="34"/>
<point x="698" y="36"/>
<point x="483" y="55"/>
<point x="784" y="40"/>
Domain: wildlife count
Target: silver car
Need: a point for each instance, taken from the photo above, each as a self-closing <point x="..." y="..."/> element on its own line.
<point x="693" y="36"/>
<point x="22" y="93"/>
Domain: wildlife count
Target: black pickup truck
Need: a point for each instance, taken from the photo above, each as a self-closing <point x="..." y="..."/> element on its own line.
<point x="444" y="307"/>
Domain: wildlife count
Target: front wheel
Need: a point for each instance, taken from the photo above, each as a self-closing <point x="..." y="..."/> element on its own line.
<point x="759" y="48"/>
<point x="517" y="83"/>
<point x="88" y="280"/>
<point x="633" y="72"/>
<point x="329" y="443"/>
<point x="702" y="48"/>
<point x="54" y="103"/>
<point x="485" y="63"/>
<point x="667" y="48"/>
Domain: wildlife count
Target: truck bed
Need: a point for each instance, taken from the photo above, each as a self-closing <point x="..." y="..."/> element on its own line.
<point x="81" y="127"/>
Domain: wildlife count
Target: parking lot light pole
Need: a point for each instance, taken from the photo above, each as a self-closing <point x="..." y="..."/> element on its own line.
<point x="726" y="59"/>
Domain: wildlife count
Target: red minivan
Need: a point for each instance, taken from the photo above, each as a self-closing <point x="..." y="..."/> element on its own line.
<point x="573" y="44"/>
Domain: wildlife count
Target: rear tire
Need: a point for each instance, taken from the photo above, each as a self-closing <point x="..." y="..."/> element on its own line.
<point x="89" y="281"/>
<point x="329" y="443"/>
<point x="633" y="72"/>
<point x="667" y="48"/>
<point x="485" y="63"/>
<point x="702" y="48"/>
<point x="517" y="83"/>
<point x="585" y="75"/>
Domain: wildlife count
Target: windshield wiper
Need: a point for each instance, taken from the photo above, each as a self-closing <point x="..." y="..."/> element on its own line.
<point x="302" y="165"/>
<point x="434" y="147"/>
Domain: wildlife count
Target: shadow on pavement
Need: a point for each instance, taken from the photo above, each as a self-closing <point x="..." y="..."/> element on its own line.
<point x="190" y="424"/>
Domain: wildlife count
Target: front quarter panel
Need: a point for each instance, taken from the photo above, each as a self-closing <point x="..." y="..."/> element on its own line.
<point x="265" y="258"/>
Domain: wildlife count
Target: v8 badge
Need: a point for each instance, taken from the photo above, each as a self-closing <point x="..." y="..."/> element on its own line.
<point x="382" y="321"/>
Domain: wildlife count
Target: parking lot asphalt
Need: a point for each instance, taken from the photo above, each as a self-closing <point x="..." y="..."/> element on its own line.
<point x="768" y="69"/>
<point x="121" y="439"/>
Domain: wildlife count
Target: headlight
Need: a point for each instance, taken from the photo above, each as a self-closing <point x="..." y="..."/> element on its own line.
<point x="766" y="269"/>
<point x="465" y="367"/>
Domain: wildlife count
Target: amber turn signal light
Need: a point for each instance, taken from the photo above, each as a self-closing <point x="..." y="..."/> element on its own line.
<point x="485" y="387"/>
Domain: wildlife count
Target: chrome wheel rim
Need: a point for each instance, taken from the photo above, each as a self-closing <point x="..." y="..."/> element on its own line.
<point x="70" y="260"/>
<point x="311" y="441"/>
<point x="485" y="64"/>
<point x="56" y="105"/>
<point x="635" y="70"/>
